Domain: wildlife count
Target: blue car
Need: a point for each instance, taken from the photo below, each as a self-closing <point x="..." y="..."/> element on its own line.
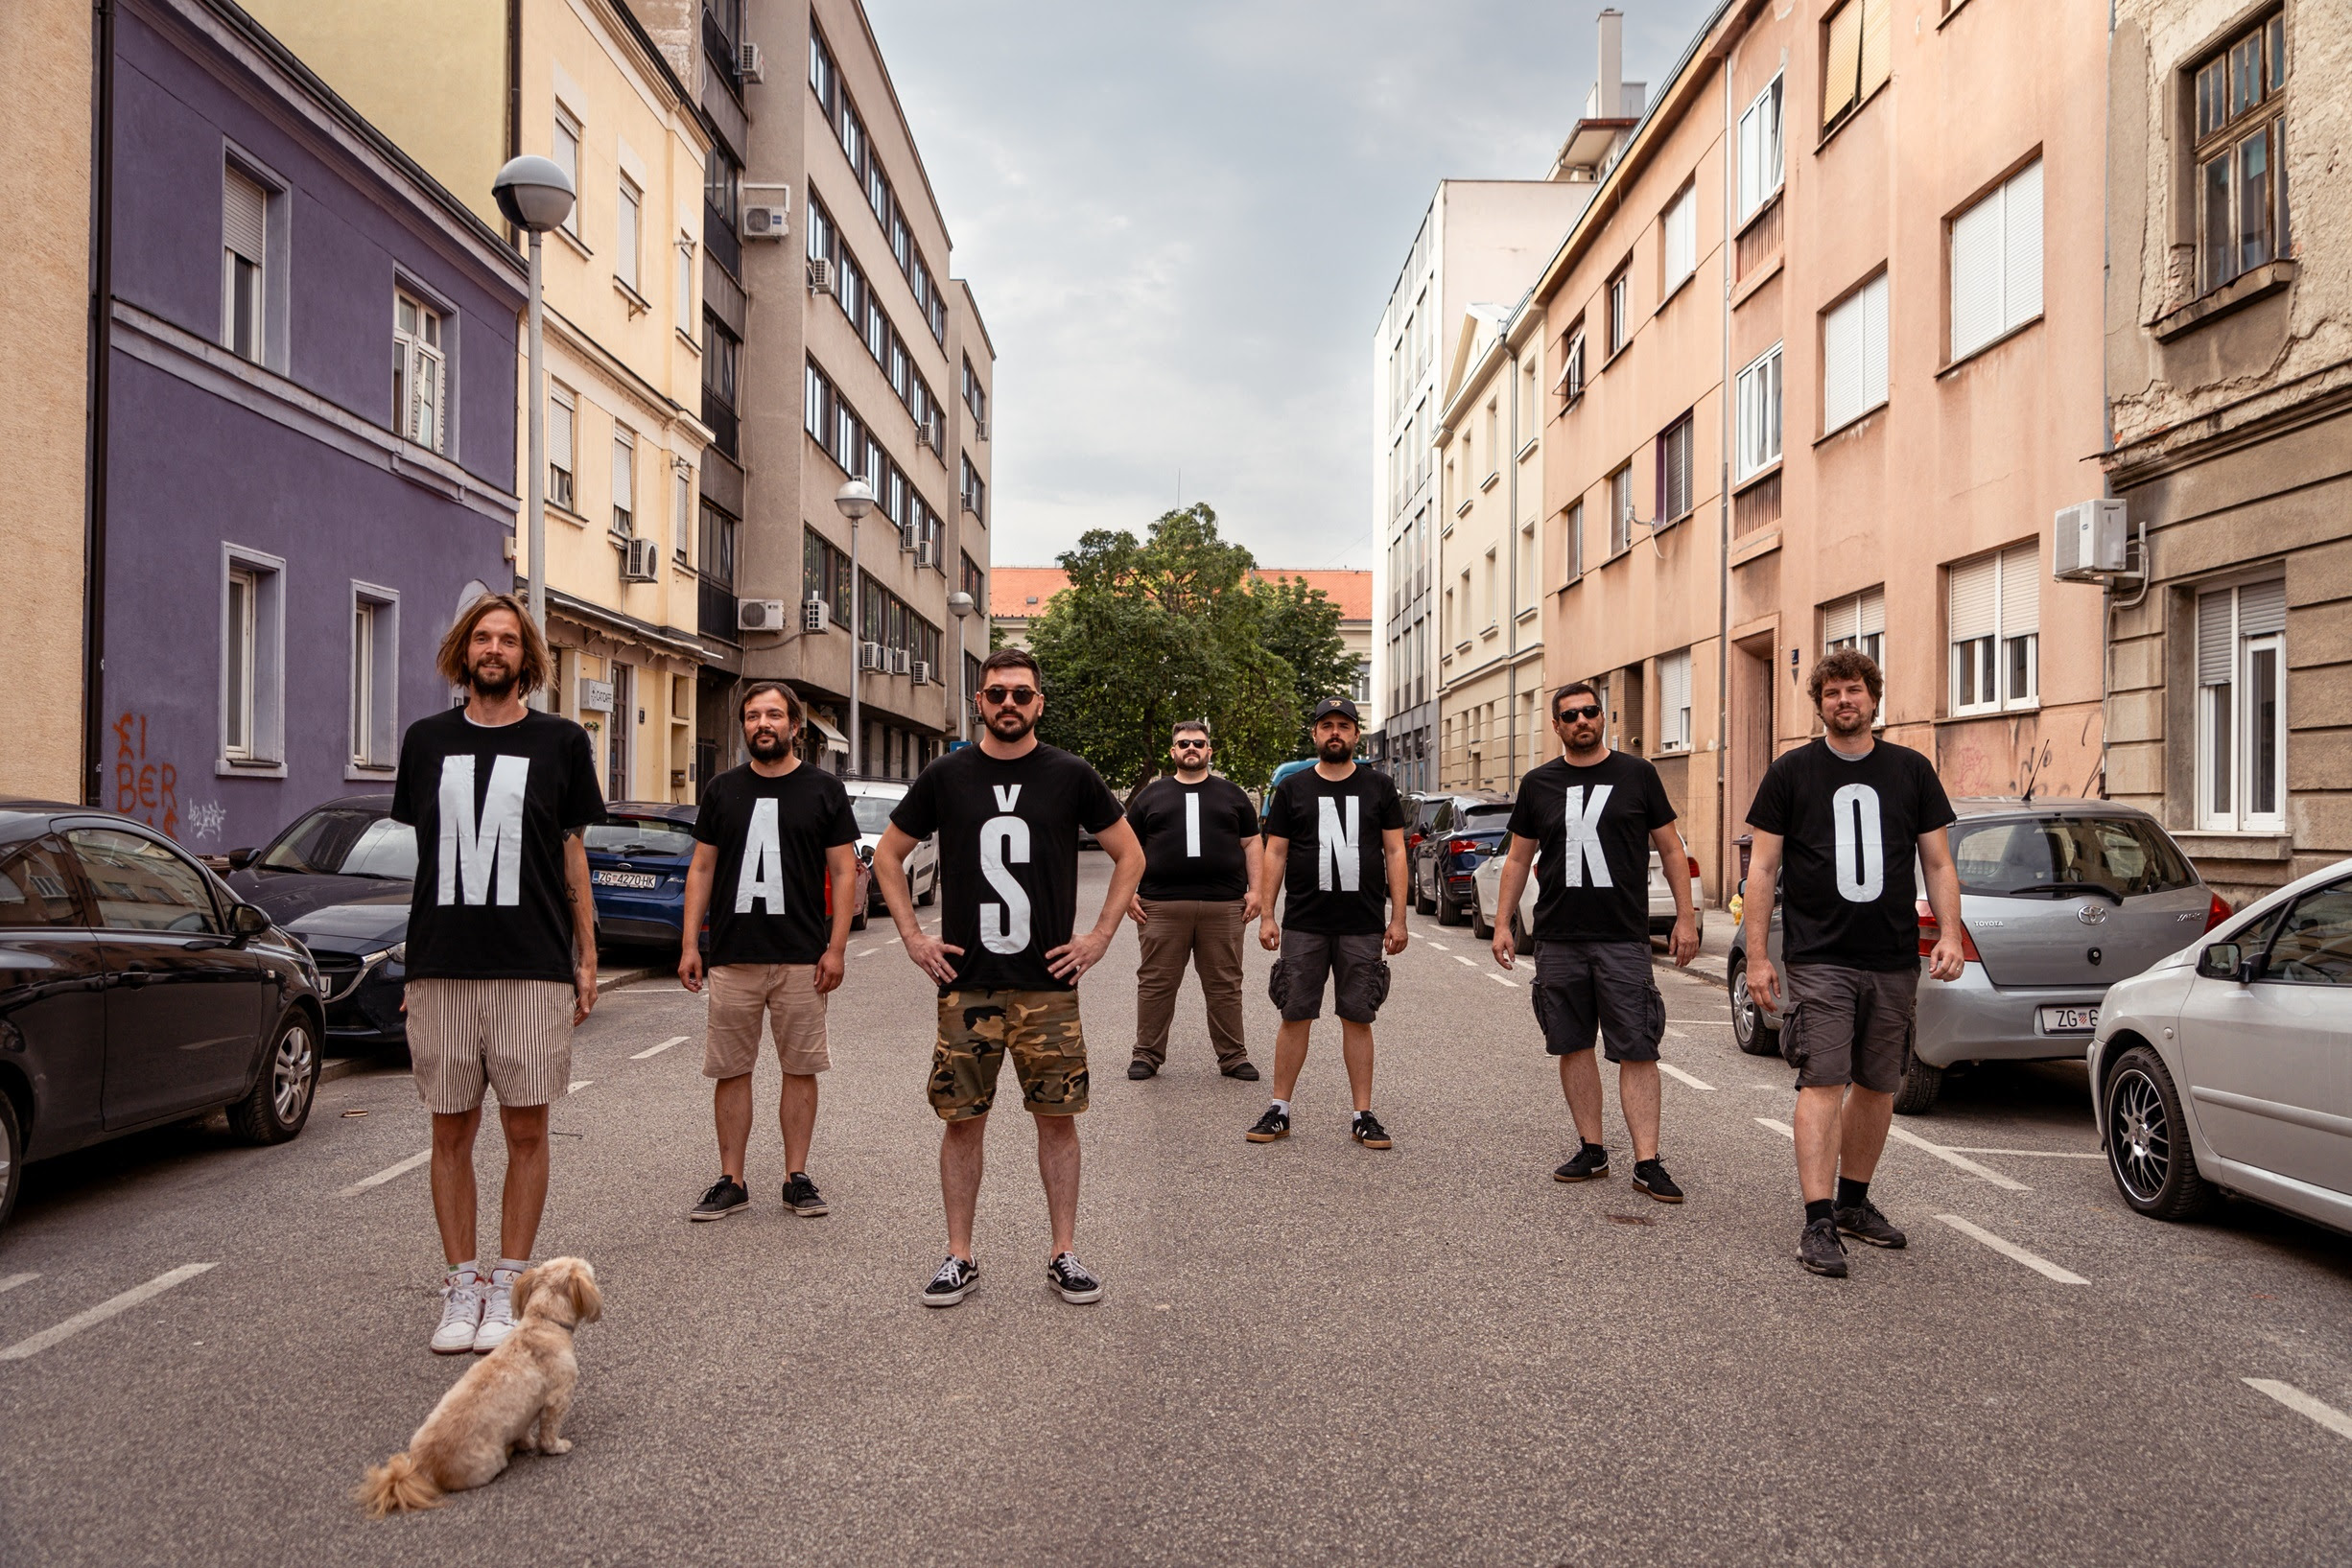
<point x="636" y="860"/>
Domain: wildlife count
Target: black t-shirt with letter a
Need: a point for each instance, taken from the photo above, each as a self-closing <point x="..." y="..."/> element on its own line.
<point x="1851" y="829"/>
<point x="1194" y="836"/>
<point x="1591" y="826"/>
<point x="768" y="891"/>
<point x="1336" y="879"/>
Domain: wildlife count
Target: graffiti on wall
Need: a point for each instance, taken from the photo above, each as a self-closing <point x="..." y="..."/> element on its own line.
<point x="146" y="789"/>
<point x="1980" y="760"/>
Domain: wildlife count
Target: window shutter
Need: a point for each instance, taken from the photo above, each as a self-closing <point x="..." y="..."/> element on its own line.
<point x="1844" y="56"/>
<point x="2216" y="637"/>
<point x="1875" y="343"/>
<point x="625" y="468"/>
<point x="1673" y="698"/>
<point x="560" y="433"/>
<point x="1974" y="584"/>
<point x="244" y="210"/>
<point x="1870" y="613"/>
<point x="1877" y="38"/>
<point x="2262" y="607"/>
<point x="1976" y="277"/>
<point x="2021" y="222"/>
<point x="2020" y="590"/>
<point x="1751" y="158"/>
<point x="1842" y="364"/>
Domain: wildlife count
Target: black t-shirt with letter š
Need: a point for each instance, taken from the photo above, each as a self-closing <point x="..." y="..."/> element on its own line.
<point x="491" y="804"/>
<point x="768" y="891"/>
<point x="1336" y="879"/>
<point x="1008" y="856"/>
<point x="1194" y="836"/>
<point x="1592" y="826"/>
<point x="1851" y="829"/>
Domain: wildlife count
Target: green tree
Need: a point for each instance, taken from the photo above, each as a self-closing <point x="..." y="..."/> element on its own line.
<point x="1301" y="626"/>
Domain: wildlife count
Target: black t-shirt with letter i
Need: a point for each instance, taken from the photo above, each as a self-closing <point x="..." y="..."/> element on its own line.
<point x="1194" y="836"/>
<point x="1336" y="879"/>
<point x="768" y="891"/>
<point x="1851" y="827"/>
<point x="491" y="804"/>
<point x="1008" y="856"/>
<point x="1591" y="826"/>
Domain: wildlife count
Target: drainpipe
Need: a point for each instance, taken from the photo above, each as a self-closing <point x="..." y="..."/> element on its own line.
<point x="1511" y="537"/>
<point x="94" y="450"/>
<point x="1723" y="586"/>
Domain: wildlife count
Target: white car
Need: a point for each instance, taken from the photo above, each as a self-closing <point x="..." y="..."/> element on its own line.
<point x="872" y="801"/>
<point x="2225" y="1065"/>
<point x="1487" y="882"/>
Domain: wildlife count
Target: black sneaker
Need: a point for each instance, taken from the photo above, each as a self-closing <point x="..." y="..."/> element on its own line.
<point x="1140" y="1069"/>
<point x="726" y="1197"/>
<point x="1650" y="1177"/>
<point x="1864" y="1223"/>
<point x="801" y="1197"/>
<point x="954" y="1281"/>
<point x="1075" y="1281"/>
<point x="1367" y="1131"/>
<point x="1590" y="1163"/>
<point x="1820" y="1249"/>
<point x="1246" y="1072"/>
<point x="1274" y="1124"/>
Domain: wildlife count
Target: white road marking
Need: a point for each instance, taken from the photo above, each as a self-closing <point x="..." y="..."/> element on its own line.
<point x="1502" y="980"/>
<point x="578" y="1084"/>
<point x="386" y="1173"/>
<point x="1676" y="1034"/>
<point x="1680" y="1076"/>
<point x="11" y="1281"/>
<point x="865" y="953"/>
<point x="1472" y="962"/>
<point x="657" y="1050"/>
<point x="1439" y="945"/>
<point x="2014" y="1253"/>
<point x="2029" y="1153"/>
<point x="1780" y="1126"/>
<point x="1950" y="1158"/>
<point x="892" y="943"/>
<point x="104" y="1310"/>
<point x="2302" y="1404"/>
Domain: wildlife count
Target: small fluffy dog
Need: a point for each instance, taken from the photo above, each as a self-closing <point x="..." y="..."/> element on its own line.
<point x="526" y="1382"/>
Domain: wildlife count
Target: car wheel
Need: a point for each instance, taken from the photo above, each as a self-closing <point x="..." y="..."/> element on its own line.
<point x="930" y="890"/>
<point x="2148" y="1141"/>
<point x="856" y="921"/>
<point x="1448" y="912"/>
<point x="1479" y="927"/>
<point x="1521" y="944"/>
<point x="1421" y="902"/>
<point x="11" y="1158"/>
<point x="1748" y="1030"/>
<point x="281" y="1099"/>
<point x="1922" y="1082"/>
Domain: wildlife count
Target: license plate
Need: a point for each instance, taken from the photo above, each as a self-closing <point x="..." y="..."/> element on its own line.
<point x="2068" y="1020"/>
<point x="625" y="878"/>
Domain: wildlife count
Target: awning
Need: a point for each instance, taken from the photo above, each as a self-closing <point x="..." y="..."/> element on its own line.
<point x="834" y="739"/>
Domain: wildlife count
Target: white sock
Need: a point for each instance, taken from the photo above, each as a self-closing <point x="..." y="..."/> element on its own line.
<point x="470" y="1269"/>
<point x="1283" y="1105"/>
<point x="510" y="1267"/>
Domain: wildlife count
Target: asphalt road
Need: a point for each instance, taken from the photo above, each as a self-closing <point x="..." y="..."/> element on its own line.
<point x="1307" y="1351"/>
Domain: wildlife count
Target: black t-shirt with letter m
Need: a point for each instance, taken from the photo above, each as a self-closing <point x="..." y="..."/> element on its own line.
<point x="1592" y="826"/>
<point x="1336" y="879"/>
<point x="1851" y="827"/>
<point x="1008" y="856"/>
<point x="767" y="891"/>
<point x="491" y="804"/>
<point x="1194" y="837"/>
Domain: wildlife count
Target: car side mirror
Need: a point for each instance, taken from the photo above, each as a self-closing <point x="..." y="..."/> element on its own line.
<point x="239" y="859"/>
<point x="2219" y="962"/>
<point x="248" y="922"/>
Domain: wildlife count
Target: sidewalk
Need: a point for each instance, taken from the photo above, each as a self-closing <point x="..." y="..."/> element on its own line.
<point x="1715" y="947"/>
<point x="344" y="1066"/>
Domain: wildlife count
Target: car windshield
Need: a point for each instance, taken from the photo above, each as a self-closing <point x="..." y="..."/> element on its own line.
<point x="348" y="841"/>
<point x="640" y="835"/>
<point x="872" y="811"/>
<point x="2118" y="856"/>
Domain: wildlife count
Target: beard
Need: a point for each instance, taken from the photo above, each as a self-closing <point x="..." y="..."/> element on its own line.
<point x="491" y="678"/>
<point x="1847" y="721"/>
<point x="1010" y="723"/>
<point x="1337" y="749"/>
<point x="767" y="744"/>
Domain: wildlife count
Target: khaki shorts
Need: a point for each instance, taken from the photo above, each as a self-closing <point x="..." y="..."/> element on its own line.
<point x="516" y="1035"/>
<point x="785" y="995"/>
<point x="1039" y="1028"/>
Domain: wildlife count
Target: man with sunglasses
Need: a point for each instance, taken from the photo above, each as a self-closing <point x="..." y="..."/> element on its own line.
<point x="1007" y="812"/>
<point x="1200" y="887"/>
<point x="1595" y="814"/>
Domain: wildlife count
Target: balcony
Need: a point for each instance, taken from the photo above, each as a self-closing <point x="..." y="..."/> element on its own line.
<point x="725" y="430"/>
<point x="715" y="609"/>
<point x="718" y="238"/>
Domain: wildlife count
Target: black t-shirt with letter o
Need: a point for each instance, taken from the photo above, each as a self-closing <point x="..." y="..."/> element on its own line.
<point x="491" y="804"/>
<point x="1008" y="856"/>
<point x="1851" y="827"/>
<point x="1336" y="879"/>
<point x="1592" y="826"/>
<point x="768" y="891"/>
<point x="1194" y="837"/>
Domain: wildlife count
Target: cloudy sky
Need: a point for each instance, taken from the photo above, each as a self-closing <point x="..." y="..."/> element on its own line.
<point x="1183" y="218"/>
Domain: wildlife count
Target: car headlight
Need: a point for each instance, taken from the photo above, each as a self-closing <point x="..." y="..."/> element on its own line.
<point x="397" y="953"/>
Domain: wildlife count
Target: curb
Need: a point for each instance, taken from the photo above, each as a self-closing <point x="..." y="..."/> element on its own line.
<point x="345" y="1066"/>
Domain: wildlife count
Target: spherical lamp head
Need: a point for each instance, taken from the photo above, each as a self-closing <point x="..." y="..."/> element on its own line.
<point x="534" y="193"/>
<point x="960" y="603"/>
<point x="856" y="499"/>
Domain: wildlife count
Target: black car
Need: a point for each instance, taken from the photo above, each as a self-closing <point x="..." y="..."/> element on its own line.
<point x="135" y="989"/>
<point x="1457" y="830"/>
<point x="339" y="880"/>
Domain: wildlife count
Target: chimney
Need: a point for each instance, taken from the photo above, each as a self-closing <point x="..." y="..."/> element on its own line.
<point x="1609" y="92"/>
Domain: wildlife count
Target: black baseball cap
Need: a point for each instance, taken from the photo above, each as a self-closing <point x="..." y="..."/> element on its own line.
<point x="1340" y="705"/>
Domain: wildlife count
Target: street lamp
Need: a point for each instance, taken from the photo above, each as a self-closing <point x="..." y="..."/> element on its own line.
<point x="960" y="602"/>
<point x="535" y="195"/>
<point x="855" y="499"/>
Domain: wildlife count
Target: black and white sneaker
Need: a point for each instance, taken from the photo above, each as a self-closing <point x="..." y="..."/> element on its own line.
<point x="1650" y="1177"/>
<point x="726" y="1197"/>
<point x="954" y="1281"/>
<point x="1367" y="1131"/>
<point x="1591" y="1162"/>
<point x="1274" y="1124"/>
<point x="801" y="1197"/>
<point x="1075" y="1281"/>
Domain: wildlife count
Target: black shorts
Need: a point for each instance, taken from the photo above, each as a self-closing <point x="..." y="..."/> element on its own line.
<point x="1841" y="1026"/>
<point x="1604" y="988"/>
<point x="1353" y="965"/>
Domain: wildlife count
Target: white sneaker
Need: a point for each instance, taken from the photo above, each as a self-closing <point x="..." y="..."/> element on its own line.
<point x="460" y="1316"/>
<point x="497" y="1313"/>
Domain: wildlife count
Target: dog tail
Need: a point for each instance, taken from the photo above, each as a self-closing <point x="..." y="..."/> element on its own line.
<point x="397" y="1486"/>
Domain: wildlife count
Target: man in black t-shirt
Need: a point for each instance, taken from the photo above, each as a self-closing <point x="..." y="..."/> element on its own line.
<point x="1595" y="814"/>
<point x="776" y="840"/>
<point x="1335" y="855"/>
<point x="1007" y="958"/>
<point x="1200" y="887"/>
<point x="1848" y="813"/>
<point x="500" y="948"/>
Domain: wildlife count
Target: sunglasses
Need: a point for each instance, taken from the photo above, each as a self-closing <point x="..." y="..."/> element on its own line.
<point x="1192" y="745"/>
<point x="1590" y="710"/>
<point x="1020" y="697"/>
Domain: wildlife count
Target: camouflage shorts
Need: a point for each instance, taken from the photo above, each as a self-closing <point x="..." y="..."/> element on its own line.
<point x="1041" y="1030"/>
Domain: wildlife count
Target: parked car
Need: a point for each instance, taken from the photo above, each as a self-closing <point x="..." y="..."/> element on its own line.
<point x="2223" y="1066"/>
<point x="872" y="801"/>
<point x="338" y="879"/>
<point x="2059" y="899"/>
<point x="1465" y="828"/>
<point x="1487" y="886"/>
<point x="1265" y="802"/>
<point x="637" y="861"/>
<point x="136" y="989"/>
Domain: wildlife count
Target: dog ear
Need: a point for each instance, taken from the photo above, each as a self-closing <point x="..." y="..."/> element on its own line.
<point x="587" y="1301"/>
<point x="527" y="1285"/>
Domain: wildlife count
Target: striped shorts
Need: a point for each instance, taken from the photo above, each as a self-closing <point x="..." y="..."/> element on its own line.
<point x="516" y="1035"/>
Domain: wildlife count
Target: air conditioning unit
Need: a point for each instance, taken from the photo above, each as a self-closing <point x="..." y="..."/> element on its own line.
<point x="923" y="672"/>
<point x="759" y="615"/>
<point x="901" y="662"/>
<point x="907" y="539"/>
<point x="873" y="656"/>
<point x="2090" y="540"/>
<point x="815" y="616"/>
<point x="640" y="560"/>
<point x="766" y="222"/>
<point x="927" y="552"/>
<point x="979" y="428"/>
<point x="820" y="277"/>
<point x="748" y="63"/>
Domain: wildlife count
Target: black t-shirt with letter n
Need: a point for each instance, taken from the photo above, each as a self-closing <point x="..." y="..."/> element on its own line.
<point x="1592" y="826"/>
<point x="1194" y="836"/>
<point x="1851" y="829"/>
<point x="1008" y="856"/>
<point x="491" y="804"/>
<point x="768" y="891"/>
<point x="1336" y="879"/>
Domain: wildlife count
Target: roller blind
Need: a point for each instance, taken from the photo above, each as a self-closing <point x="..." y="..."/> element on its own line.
<point x="2020" y="590"/>
<point x="1854" y="355"/>
<point x="560" y="433"/>
<point x="1864" y="615"/>
<point x="1877" y="38"/>
<point x="2262" y="607"/>
<point x="2022" y="259"/>
<point x="1673" y="698"/>
<point x="1974" y="587"/>
<point x="2216" y="637"/>
<point x="244" y="210"/>
<point x="1838" y="73"/>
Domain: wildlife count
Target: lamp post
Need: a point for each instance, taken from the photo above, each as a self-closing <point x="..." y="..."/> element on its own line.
<point x="960" y="602"/>
<point x="535" y="195"/>
<point x="855" y="499"/>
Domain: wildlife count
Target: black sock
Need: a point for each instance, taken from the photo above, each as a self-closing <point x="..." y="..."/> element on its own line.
<point x="1852" y="1194"/>
<point x="1817" y="1209"/>
<point x="1600" y="1149"/>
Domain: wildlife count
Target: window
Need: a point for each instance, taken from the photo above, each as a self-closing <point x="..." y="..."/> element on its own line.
<point x="419" y="377"/>
<point x="1527" y="401"/>
<point x="1679" y="237"/>
<point x="559" y="411"/>
<point x="1674" y="701"/>
<point x="626" y="234"/>
<point x="375" y="677"/>
<point x="2241" y="154"/>
<point x="245" y="246"/>
<point x="1674" y="472"/>
<point x="625" y="483"/>
<point x="567" y="158"/>
<point x="1575" y="540"/>
<point x="1857" y="622"/>
<point x="1621" y="311"/>
<point x="238" y="660"/>
<point x="1361" y="688"/>
<point x="1994" y="627"/>
<point x="2241" y="703"/>
<point x="1621" y="510"/>
<point x="975" y="395"/>
<point x="974" y="495"/>
<point x="824" y="76"/>
<point x="1572" y="367"/>
<point x="252" y="659"/>
<point x="1759" y="392"/>
<point x="1494" y="442"/>
<point x="143" y="886"/>
<point x="1494" y="584"/>
<point x="685" y="312"/>
<point x="619" y="730"/>
<point x="36" y="887"/>
<point x="1854" y="356"/>
<point x="1760" y="151"/>
<point x="681" y="508"/>
<point x="2314" y="940"/>
<point x="716" y="559"/>
<point x="1996" y="263"/>
<point x="1856" y="57"/>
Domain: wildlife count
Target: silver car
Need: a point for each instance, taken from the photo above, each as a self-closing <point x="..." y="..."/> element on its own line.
<point x="2225" y="1065"/>
<point x="2059" y="899"/>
